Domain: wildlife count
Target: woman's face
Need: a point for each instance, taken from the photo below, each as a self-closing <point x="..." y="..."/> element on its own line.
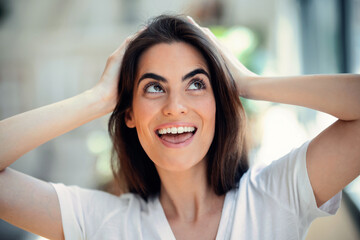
<point x="173" y="106"/>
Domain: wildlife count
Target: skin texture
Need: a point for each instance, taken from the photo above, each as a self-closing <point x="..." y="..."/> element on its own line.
<point x="178" y="102"/>
<point x="40" y="213"/>
<point x="332" y="157"/>
<point x="189" y="207"/>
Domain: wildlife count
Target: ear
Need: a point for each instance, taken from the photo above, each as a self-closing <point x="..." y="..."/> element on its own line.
<point x="129" y="118"/>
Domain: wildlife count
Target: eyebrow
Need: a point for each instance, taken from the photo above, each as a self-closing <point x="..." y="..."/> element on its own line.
<point x="162" y="79"/>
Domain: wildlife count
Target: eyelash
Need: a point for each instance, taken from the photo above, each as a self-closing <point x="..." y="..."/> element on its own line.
<point x="195" y="80"/>
<point x="151" y="84"/>
<point x="198" y="80"/>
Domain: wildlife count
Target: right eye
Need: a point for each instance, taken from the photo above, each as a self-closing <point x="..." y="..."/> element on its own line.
<point x="153" y="88"/>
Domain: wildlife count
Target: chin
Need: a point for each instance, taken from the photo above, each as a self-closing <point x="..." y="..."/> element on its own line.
<point x="178" y="164"/>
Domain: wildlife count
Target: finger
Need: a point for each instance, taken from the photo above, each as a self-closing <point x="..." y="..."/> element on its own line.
<point x="205" y="30"/>
<point x="115" y="56"/>
<point x="208" y="33"/>
<point x="191" y="20"/>
<point x="135" y="35"/>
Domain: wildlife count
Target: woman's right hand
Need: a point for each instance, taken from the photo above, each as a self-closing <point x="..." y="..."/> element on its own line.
<point x="40" y="125"/>
<point x="106" y="88"/>
<point x="19" y="134"/>
<point x="40" y="213"/>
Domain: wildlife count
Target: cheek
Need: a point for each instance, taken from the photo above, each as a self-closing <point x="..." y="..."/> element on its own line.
<point x="144" y="113"/>
<point x="144" y="109"/>
<point x="208" y="110"/>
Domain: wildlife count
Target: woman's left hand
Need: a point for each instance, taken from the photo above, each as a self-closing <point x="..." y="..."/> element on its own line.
<point x="240" y="73"/>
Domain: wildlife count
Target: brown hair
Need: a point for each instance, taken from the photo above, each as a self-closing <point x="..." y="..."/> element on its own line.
<point x="227" y="158"/>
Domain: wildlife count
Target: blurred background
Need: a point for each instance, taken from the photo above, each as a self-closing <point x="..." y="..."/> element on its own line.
<point x="52" y="50"/>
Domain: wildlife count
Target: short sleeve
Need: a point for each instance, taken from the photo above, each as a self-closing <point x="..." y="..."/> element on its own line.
<point x="85" y="211"/>
<point x="288" y="182"/>
<point x="71" y="211"/>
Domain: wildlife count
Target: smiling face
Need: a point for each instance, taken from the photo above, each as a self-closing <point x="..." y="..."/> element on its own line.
<point x="173" y="106"/>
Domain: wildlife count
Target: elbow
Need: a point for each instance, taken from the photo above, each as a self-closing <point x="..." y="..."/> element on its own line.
<point x="6" y="160"/>
<point x="2" y="168"/>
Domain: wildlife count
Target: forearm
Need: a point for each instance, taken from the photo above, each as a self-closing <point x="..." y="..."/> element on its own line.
<point x="338" y="95"/>
<point x="23" y="132"/>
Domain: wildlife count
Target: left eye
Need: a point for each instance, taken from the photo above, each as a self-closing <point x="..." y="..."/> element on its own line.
<point x="197" y="85"/>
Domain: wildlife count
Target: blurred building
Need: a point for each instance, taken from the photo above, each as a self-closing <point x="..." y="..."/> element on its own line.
<point x="52" y="50"/>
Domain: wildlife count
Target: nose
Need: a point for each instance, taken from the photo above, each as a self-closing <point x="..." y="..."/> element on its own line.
<point x="175" y="105"/>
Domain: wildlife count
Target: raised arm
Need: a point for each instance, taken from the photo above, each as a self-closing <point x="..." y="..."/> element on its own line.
<point x="23" y="132"/>
<point x="333" y="157"/>
<point x="30" y="203"/>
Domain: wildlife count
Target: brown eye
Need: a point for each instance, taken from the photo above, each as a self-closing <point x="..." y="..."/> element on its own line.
<point x="153" y="88"/>
<point x="197" y="84"/>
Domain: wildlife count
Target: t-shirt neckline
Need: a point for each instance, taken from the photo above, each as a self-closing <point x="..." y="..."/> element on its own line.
<point x="226" y="210"/>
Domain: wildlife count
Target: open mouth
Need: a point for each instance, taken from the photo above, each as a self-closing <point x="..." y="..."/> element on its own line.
<point x="176" y="135"/>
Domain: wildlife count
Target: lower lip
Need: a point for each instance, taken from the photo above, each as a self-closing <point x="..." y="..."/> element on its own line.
<point x="177" y="145"/>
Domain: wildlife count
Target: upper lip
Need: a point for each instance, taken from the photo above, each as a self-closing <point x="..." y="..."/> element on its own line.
<point x="174" y="124"/>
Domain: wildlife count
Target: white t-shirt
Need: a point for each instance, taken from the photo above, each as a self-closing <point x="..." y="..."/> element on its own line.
<point x="272" y="202"/>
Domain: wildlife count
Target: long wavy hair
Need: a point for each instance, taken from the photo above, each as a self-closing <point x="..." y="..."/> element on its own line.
<point x="226" y="158"/>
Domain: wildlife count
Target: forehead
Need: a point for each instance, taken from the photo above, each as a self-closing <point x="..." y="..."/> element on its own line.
<point x="171" y="58"/>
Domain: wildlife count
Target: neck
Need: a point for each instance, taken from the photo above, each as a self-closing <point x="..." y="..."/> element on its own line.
<point x="186" y="195"/>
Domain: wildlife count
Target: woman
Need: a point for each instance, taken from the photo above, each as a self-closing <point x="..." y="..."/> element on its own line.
<point x="178" y="131"/>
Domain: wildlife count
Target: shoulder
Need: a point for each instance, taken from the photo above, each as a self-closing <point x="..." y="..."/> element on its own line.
<point x="281" y="184"/>
<point x="285" y="183"/>
<point x="285" y="169"/>
<point x="84" y="196"/>
<point x="88" y="212"/>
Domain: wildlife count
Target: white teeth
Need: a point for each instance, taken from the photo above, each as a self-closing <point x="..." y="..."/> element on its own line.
<point x="180" y="130"/>
<point x="176" y="130"/>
